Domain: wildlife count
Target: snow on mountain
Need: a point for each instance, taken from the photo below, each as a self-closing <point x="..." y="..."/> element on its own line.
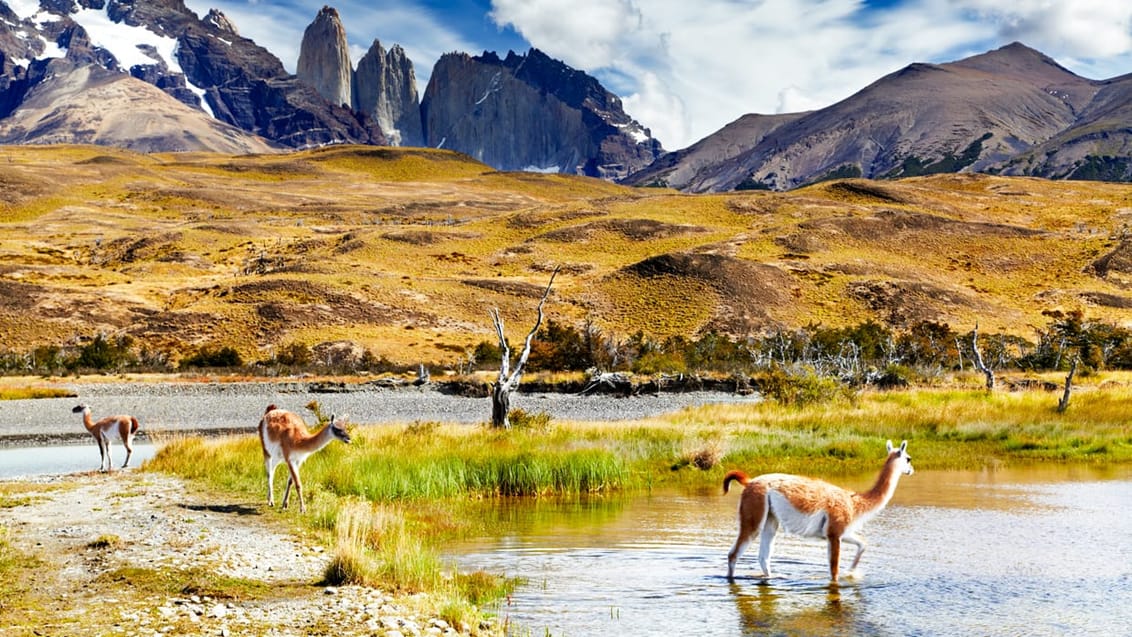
<point x="125" y="42"/>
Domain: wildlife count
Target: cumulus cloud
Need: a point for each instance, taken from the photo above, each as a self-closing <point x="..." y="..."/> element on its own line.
<point x="1082" y="28"/>
<point x="701" y="65"/>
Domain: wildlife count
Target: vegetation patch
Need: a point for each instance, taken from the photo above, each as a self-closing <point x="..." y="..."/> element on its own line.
<point x="32" y="393"/>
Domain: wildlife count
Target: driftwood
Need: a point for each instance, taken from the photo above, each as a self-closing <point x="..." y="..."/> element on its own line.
<point x="508" y="380"/>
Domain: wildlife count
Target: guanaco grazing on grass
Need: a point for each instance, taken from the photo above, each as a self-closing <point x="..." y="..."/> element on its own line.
<point x="105" y="430"/>
<point x="811" y="508"/>
<point x="285" y="439"/>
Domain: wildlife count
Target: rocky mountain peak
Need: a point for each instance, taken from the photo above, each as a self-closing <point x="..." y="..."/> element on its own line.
<point x="530" y="112"/>
<point x="324" y="58"/>
<point x="385" y="88"/>
<point x="216" y="18"/>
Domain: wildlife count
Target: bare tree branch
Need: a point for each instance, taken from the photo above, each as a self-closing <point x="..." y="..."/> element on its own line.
<point x="1063" y="403"/>
<point x="987" y="372"/>
<point x="507" y="382"/>
<point x="513" y="381"/>
<point x="504" y="350"/>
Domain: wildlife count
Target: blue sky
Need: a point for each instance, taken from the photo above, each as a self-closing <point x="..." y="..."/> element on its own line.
<point x="685" y="69"/>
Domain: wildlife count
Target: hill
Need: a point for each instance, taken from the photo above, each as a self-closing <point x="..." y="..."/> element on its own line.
<point x="403" y="251"/>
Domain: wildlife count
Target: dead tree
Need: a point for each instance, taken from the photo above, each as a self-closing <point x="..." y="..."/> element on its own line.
<point x="508" y="380"/>
<point x="1063" y="402"/>
<point x="979" y="365"/>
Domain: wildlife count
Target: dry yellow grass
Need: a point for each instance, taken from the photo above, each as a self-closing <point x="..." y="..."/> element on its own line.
<point x="404" y="250"/>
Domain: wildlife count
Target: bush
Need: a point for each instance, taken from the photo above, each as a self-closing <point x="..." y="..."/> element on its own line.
<point x="214" y="357"/>
<point x="799" y="388"/>
<point x="103" y="353"/>
<point x="521" y="419"/>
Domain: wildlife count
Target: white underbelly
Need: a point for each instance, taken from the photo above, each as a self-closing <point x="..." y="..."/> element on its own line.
<point x="797" y="522"/>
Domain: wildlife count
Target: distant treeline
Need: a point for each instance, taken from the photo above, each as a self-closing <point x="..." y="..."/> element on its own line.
<point x="863" y="354"/>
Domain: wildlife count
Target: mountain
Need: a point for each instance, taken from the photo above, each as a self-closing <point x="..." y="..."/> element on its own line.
<point x="203" y="63"/>
<point x="1010" y="111"/>
<point x="385" y="88"/>
<point x="1098" y="146"/>
<point x="324" y="58"/>
<point x="678" y="169"/>
<point x="531" y="112"/>
<point x="90" y="105"/>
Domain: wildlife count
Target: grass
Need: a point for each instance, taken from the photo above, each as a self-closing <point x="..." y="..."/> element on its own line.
<point x="168" y="581"/>
<point x="387" y="502"/>
<point x="20" y="603"/>
<point x="25" y="393"/>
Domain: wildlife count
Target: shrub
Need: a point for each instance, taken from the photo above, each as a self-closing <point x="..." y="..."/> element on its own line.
<point x="521" y="419"/>
<point x="799" y="388"/>
<point x="214" y="357"/>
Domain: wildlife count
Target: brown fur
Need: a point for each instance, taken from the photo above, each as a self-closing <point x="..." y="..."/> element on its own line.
<point x="810" y="507"/>
<point x="284" y="437"/>
<point x="122" y="425"/>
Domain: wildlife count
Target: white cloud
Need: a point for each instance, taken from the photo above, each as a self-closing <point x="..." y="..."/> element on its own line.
<point x="698" y="66"/>
<point x="1085" y="28"/>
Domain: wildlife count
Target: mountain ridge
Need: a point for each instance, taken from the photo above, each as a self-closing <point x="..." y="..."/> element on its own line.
<point x="997" y="112"/>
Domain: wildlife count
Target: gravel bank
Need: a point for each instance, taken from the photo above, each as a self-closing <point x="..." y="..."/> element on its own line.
<point x="231" y="407"/>
<point x="157" y="522"/>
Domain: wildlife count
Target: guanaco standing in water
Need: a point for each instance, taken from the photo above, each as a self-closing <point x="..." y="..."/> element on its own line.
<point x="105" y="430"/>
<point x="811" y="508"/>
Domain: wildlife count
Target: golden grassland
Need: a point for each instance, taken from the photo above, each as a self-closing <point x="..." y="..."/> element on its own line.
<point x="403" y="251"/>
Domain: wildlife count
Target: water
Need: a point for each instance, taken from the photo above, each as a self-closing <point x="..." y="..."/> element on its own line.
<point x="1021" y="552"/>
<point x="31" y="461"/>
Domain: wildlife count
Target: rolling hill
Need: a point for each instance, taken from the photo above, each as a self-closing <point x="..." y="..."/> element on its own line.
<point x="403" y="251"/>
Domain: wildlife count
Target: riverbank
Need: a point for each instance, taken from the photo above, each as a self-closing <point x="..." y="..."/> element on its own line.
<point x="175" y="408"/>
<point x="143" y="553"/>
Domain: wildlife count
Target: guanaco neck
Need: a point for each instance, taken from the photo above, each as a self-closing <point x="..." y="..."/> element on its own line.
<point x="88" y="422"/>
<point x="316" y="441"/>
<point x="881" y="492"/>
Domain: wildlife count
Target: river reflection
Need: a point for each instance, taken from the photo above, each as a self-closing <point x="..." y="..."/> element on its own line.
<point x="1020" y="552"/>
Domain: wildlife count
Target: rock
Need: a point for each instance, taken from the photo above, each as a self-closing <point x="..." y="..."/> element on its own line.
<point x="531" y="112"/>
<point x="324" y="58"/>
<point x="385" y="88"/>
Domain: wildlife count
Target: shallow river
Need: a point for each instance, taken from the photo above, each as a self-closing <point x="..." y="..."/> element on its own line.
<point x="1019" y="552"/>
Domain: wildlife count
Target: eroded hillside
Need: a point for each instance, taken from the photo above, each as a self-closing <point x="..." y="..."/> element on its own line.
<point x="403" y="251"/>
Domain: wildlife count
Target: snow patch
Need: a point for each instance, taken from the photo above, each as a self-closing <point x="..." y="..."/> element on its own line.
<point x="122" y="40"/>
<point x="51" y="50"/>
<point x="635" y="132"/>
<point x="23" y="8"/>
<point x="547" y="170"/>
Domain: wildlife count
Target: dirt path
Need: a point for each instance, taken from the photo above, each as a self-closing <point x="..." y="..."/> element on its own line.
<point x="141" y="553"/>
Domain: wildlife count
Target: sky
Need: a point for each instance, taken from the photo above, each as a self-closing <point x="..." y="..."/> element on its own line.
<point x="684" y="69"/>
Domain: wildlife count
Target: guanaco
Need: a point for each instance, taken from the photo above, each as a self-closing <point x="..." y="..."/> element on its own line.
<point x="811" y="508"/>
<point x="285" y="438"/>
<point x="121" y="428"/>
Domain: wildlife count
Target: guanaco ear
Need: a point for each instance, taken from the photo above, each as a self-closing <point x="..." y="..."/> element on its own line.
<point x="889" y="446"/>
<point x="903" y="446"/>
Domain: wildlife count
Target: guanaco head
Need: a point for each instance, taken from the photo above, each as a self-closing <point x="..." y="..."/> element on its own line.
<point x="338" y="430"/>
<point x="901" y="457"/>
<point x="80" y="409"/>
